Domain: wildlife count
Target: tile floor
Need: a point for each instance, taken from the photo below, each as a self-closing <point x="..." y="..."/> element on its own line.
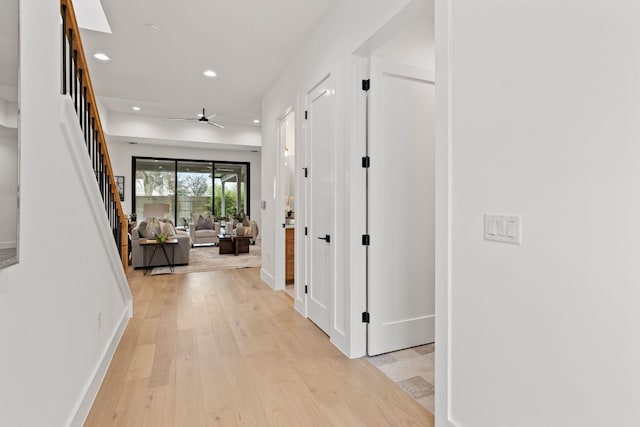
<point x="413" y="370"/>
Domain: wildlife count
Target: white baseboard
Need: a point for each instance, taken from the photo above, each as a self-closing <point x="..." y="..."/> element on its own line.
<point x="267" y="278"/>
<point x="83" y="406"/>
<point x="8" y="245"/>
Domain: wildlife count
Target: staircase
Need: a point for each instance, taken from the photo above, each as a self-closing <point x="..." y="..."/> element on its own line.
<point x="76" y="83"/>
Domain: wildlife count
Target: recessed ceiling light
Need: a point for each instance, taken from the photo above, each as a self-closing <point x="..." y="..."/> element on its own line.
<point x="210" y="73"/>
<point x="101" y="56"/>
<point x="256" y="121"/>
<point x="136" y="108"/>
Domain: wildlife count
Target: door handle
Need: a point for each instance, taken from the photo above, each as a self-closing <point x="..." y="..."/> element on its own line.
<point x="326" y="238"/>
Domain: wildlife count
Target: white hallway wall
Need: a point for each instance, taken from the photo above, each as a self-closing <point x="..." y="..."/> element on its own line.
<point x="8" y="186"/>
<point x="547" y="127"/>
<point x="122" y="153"/>
<point x="49" y="302"/>
<point x="348" y="25"/>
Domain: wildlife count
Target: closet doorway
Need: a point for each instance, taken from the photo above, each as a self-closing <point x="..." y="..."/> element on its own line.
<point x="287" y="197"/>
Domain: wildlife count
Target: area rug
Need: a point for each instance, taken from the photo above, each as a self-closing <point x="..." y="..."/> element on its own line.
<point x="208" y="258"/>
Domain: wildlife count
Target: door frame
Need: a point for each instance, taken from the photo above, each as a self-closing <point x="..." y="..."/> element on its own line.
<point x="278" y="231"/>
<point x="443" y="185"/>
<point x="444" y="191"/>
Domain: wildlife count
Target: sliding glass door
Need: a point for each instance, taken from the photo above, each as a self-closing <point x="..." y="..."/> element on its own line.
<point x="230" y="188"/>
<point x="195" y="189"/>
<point x="155" y="188"/>
<point x="180" y="189"/>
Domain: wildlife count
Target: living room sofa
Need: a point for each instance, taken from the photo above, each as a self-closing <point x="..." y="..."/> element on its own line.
<point x="144" y="231"/>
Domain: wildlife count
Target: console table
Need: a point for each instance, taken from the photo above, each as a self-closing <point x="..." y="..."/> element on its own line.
<point x="145" y="243"/>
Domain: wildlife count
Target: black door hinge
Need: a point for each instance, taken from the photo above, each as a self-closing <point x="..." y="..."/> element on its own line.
<point x="366" y="85"/>
<point x="366" y="240"/>
<point x="365" y="317"/>
<point x="306" y="172"/>
<point x="306" y="289"/>
<point x="306" y="115"/>
<point x="366" y="162"/>
<point x="306" y="231"/>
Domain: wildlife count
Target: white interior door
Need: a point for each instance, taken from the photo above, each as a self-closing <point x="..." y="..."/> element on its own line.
<point x="320" y="135"/>
<point x="401" y="284"/>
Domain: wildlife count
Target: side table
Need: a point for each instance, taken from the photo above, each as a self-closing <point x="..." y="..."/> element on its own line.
<point x="145" y="243"/>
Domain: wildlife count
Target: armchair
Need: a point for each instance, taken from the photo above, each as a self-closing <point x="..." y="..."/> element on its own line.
<point x="250" y="230"/>
<point x="204" y="230"/>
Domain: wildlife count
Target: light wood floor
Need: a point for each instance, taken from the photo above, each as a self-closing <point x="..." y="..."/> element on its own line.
<point x="222" y="348"/>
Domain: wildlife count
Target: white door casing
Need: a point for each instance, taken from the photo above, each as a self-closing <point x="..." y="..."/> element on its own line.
<point x="401" y="283"/>
<point x="319" y="140"/>
<point x="278" y="231"/>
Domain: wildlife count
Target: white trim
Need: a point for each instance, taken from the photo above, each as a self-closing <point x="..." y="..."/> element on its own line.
<point x="77" y="149"/>
<point x="443" y="42"/>
<point x="357" y="208"/>
<point x="267" y="278"/>
<point x="88" y="396"/>
<point x="8" y="245"/>
<point x="301" y="246"/>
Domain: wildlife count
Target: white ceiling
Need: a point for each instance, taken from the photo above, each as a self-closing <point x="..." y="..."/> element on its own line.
<point x="246" y="42"/>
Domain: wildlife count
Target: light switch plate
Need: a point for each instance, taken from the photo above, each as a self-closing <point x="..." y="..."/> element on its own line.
<point x="503" y="228"/>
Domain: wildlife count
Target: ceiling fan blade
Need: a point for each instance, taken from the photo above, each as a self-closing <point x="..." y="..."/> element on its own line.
<point x="216" y="125"/>
<point x="211" y="116"/>
<point x="182" y="119"/>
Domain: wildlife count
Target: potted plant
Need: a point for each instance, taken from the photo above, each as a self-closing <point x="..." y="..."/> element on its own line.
<point x="161" y="238"/>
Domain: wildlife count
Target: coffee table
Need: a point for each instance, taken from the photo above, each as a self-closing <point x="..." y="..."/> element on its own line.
<point x="233" y="244"/>
<point x="242" y="244"/>
<point x="225" y="244"/>
<point x="145" y="243"/>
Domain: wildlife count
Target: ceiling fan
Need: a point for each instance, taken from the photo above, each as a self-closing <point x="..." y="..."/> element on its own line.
<point x="202" y="118"/>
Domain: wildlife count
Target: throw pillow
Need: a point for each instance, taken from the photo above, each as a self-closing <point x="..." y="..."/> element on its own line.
<point x="149" y="228"/>
<point x="142" y="230"/>
<point x="167" y="220"/>
<point x="168" y="229"/>
<point x="154" y="226"/>
<point x="204" y="223"/>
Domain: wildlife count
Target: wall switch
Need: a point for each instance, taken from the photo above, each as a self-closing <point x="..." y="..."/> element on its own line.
<point x="99" y="320"/>
<point x="503" y="228"/>
<point x="491" y="228"/>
